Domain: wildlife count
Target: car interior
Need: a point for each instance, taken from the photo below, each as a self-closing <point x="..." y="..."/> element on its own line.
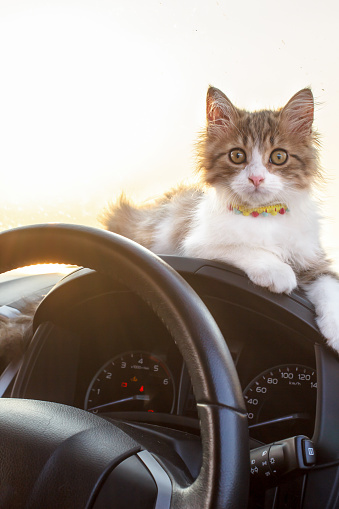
<point x="147" y="380"/>
<point x="228" y="387"/>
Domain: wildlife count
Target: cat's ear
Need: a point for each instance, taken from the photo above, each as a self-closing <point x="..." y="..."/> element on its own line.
<point x="297" y="116"/>
<point x="219" y="109"/>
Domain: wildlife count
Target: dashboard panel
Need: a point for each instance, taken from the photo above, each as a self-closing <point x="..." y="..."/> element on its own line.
<point x="90" y="329"/>
<point x="118" y="359"/>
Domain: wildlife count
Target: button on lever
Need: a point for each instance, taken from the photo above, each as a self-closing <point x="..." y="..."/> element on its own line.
<point x="308" y="452"/>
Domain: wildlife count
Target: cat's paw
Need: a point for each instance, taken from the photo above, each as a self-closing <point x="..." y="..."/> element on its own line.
<point x="324" y="295"/>
<point x="278" y="278"/>
<point x="329" y="327"/>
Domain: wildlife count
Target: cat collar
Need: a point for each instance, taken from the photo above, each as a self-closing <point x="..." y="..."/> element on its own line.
<point x="266" y="210"/>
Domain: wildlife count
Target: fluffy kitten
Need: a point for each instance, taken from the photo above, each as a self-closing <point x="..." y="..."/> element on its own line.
<point x="253" y="208"/>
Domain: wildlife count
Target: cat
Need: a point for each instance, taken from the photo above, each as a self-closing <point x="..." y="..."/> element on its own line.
<point x="252" y="207"/>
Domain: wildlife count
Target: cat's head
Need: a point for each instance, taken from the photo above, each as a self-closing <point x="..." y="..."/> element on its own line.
<point x="263" y="156"/>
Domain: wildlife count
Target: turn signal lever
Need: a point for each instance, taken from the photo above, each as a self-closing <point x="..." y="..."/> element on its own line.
<point x="272" y="462"/>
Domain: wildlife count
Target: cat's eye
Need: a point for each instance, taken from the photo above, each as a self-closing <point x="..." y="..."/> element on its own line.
<point x="237" y="156"/>
<point x="278" y="157"/>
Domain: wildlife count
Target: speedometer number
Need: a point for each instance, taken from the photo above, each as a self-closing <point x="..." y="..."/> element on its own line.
<point x="287" y="375"/>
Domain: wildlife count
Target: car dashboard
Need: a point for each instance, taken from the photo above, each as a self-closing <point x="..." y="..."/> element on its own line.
<point x="127" y="364"/>
<point x="99" y="347"/>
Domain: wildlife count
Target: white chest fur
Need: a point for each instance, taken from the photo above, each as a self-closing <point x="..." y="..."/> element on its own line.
<point x="292" y="237"/>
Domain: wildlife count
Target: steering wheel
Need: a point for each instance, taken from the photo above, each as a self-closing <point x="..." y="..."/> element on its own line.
<point x="57" y="456"/>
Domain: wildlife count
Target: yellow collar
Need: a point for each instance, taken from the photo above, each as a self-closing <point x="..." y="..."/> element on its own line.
<point x="266" y="210"/>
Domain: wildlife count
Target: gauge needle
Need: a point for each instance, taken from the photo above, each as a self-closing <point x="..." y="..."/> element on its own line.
<point x="290" y="417"/>
<point x="131" y="398"/>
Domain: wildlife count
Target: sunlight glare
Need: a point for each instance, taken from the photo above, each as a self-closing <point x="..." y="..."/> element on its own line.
<point x="44" y="268"/>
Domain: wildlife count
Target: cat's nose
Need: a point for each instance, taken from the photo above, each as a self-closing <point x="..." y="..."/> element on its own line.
<point x="256" y="181"/>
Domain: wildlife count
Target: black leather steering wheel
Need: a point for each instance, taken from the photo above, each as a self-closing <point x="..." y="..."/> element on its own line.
<point x="58" y="456"/>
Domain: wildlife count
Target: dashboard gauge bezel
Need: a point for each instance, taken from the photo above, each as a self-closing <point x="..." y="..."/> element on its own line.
<point x="266" y="385"/>
<point x="120" y="356"/>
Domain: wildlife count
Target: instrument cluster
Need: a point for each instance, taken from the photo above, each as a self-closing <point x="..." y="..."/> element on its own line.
<point x="280" y="401"/>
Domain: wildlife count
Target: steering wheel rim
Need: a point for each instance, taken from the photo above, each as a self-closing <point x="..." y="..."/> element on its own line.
<point x="224" y="476"/>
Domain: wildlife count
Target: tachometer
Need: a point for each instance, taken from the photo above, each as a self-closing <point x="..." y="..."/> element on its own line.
<point x="134" y="381"/>
<point x="281" y="402"/>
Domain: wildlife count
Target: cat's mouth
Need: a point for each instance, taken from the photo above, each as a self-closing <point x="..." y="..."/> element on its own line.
<point x="257" y="197"/>
<point x="240" y="192"/>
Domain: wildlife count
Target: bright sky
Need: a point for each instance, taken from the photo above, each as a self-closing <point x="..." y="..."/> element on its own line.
<point x="99" y="96"/>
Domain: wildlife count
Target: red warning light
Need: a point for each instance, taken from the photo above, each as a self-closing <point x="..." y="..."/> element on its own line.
<point x="141" y="389"/>
<point x="150" y="411"/>
<point x="124" y="384"/>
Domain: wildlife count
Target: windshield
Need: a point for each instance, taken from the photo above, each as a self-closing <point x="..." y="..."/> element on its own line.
<point x="99" y="97"/>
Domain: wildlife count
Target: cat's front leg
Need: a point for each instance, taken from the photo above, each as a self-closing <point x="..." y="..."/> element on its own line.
<point x="324" y="295"/>
<point x="263" y="267"/>
<point x="269" y="271"/>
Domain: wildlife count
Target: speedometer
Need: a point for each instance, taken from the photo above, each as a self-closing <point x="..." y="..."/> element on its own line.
<point x="133" y="381"/>
<point x="281" y="402"/>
